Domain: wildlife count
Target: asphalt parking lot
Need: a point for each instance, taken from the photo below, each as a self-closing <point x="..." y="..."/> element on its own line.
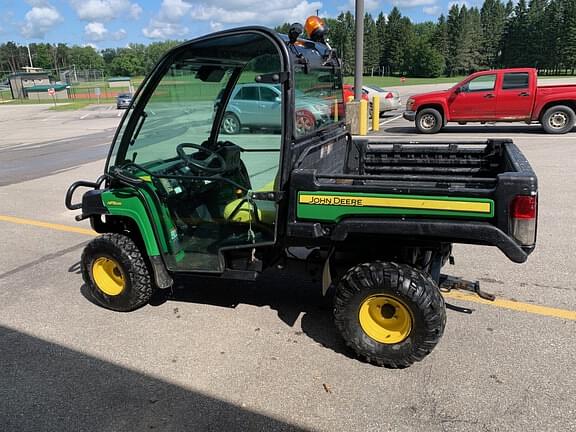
<point x="265" y="356"/>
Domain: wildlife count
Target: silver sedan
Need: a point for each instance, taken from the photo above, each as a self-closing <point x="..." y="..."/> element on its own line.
<point x="389" y="99"/>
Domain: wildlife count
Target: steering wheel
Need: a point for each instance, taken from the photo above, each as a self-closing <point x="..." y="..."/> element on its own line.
<point x="202" y="164"/>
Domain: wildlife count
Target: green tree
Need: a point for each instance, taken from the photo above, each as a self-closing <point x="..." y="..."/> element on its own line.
<point x="439" y="40"/>
<point x="128" y="62"/>
<point x="569" y="50"/>
<point x="382" y="42"/>
<point x="85" y="57"/>
<point x="426" y="61"/>
<point x="394" y="53"/>
<point x="492" y="17"/>
<point x="371" y="42"/>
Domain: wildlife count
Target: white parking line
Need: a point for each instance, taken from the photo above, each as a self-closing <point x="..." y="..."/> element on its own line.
<point x="390" y="120"/>
<point x="84" y="116"/>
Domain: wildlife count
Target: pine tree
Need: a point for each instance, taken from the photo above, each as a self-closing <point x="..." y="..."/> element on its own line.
<point x="383" y="43"/>
<point x="439" y="39"/>
<point x="569" y="51"/>
<point x="394" y="53"/>
<point x="371" y="50"/>
<point x="492" y="16"/>
<point x="456" y="41"/>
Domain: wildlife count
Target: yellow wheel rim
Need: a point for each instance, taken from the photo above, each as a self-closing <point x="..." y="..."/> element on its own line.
<point x="385" y="319"/>
<point x="108" y="276"/>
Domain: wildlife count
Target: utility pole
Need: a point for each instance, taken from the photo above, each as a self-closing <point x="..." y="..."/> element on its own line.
<point x="30" y="57"/>
<point x="359" y="51"/>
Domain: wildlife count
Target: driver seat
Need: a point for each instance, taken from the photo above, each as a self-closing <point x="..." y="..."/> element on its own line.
<point x="242" y="211"/>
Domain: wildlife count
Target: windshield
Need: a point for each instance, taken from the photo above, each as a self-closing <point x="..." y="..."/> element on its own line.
<point x="180" y="110"/>
<point x="318" y="99"/>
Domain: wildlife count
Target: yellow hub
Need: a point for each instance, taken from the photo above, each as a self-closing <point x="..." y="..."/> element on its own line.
<point x="108" y="276"/>
<point x="385" y="319"/>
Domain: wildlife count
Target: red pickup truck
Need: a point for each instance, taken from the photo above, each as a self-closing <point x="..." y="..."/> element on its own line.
<point x="506" y="95"/>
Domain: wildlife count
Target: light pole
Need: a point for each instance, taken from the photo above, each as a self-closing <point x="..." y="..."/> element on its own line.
<point x="30" y="57"/>
<point x="359" y="50"/>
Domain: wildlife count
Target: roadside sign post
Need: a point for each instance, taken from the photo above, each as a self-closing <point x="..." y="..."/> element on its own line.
<point x="52" y="93"/>
<point x="97" y="92"/>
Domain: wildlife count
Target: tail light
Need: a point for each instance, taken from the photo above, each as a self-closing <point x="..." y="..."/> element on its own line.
<point x="390" y="95"/>
<point x="523" y="216"/>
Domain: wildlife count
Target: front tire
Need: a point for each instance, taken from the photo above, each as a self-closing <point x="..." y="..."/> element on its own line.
<point x="558" y="119"/>
<point x="390" y="314"/>
<point x="429" y="121"/>
<point x="116" y="273"/>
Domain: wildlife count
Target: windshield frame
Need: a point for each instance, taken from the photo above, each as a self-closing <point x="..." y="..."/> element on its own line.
<point x="132" y="118"/>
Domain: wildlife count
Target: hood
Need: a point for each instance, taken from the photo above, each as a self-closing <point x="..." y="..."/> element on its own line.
<point x="438" y="94"/>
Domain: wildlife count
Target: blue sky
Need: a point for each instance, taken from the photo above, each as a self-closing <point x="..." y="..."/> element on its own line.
<point x="114" y="23"/>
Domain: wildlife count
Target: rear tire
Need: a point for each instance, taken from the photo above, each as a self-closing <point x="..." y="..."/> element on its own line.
<point x="558" y="119"/>
<point x="116" y="273"/>
<point x="390" y="314"/>
<point x="231" y="124"/>
<point x="429" y="121"/>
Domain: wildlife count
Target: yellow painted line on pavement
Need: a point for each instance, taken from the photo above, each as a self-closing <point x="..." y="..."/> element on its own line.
<point x="515" y="306"/>
<point x="47" y="225"/>
<point x="500" y="303"/>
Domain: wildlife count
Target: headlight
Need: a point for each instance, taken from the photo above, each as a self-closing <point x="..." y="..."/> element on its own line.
<point x="409" y="104"/>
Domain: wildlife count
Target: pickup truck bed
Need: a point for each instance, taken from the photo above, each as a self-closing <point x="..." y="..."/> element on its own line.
<point x="457" y="192"/>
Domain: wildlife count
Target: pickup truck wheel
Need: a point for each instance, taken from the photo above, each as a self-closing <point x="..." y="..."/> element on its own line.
<point x="116" y="274"/>
<point x="230" y="124"/>
<point x="429" y="121"/>
<point x="558" y="119"/>
<point x="390" y="314"/>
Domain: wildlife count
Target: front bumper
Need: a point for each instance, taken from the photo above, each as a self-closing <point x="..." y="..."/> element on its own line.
<point x="409" y="115"/>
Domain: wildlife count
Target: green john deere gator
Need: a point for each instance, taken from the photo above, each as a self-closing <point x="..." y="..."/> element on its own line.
<point x="234" y="157"/>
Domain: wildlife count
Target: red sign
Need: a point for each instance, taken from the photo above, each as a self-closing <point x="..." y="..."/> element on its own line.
<point x="51" y="91"/>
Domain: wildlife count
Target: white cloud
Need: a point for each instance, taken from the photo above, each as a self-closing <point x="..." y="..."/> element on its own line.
<point x="105" y="10"/>
<point x="214" y="26"/>
<point x="236" y="12"/>
<point x="120" y="34"/>
<point x="369" y="6"/>
<point x="91" y="45"/>
<point x="167" y="23"/>
<point x="95" y="31"/>
<point x="459" y="3"/>
<point x="176" y="16"/>
<point x="162" y="30"/>
<point x="413" y="3"/>
<point x="40" y="20"/>
<point x="432" y="10"/>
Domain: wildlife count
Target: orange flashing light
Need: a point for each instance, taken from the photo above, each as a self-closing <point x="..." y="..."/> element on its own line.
<point x="313" y="26"/>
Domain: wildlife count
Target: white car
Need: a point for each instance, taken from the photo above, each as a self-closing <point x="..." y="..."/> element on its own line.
<point x="389" y="99"/>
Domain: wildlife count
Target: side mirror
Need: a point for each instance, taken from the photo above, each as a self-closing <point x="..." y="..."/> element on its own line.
<point x="458" y="90"/>
<point x="277" y="99"/>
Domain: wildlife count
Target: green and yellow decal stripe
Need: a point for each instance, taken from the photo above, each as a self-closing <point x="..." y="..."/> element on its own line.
<point x="332" y="206"/>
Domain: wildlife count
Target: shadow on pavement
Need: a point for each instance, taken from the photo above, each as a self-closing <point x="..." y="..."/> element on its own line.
<point x="46" y="387"/>
<point x="290" y="295"/>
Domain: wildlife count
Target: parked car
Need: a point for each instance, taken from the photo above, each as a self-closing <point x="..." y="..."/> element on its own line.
<point x="389" y="99"/>
<point x="259" y="105"/>
<point x="123" y="100"/>
<point x="505" y="95"/>
<point x="348" y="90"/>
